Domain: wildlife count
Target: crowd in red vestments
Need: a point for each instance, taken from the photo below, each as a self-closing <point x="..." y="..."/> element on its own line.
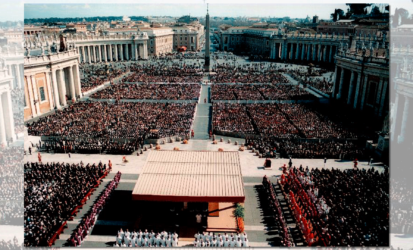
<point x="87" y="223"/>
<point x="339" y="208"/>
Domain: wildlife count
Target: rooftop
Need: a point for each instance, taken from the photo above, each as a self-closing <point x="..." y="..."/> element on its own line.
<point x="191" y="176"/>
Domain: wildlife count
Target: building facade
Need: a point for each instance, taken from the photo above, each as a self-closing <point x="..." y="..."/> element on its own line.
<point x="402" y="84"/>
<point x="51" y="80"/>
<point x="362" y="78"/>
<point x="7" y="130"/>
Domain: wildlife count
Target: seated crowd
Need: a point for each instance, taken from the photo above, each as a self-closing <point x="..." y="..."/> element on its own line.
<point x="279" y="128"/>
<point x="97" y="74"/>
<point x="52" y="192"/>
<point x="339" y="208"/>
<point x="104" y="123"/>
<point x="161" y="72"/>
<point x="313" y="79"/>
<point x="146" y="239"/>
<point x="11" y="245"/>
<point x="92" y="145"/>
<point x="401" y="196"/>
<point x="226" y="73"/>
<point x="150" y="92"/>
<point x="11" y="183"/>
<point x="258" y="92"/>
<point x="231" y="118"/>
<point x="221" y="240"/>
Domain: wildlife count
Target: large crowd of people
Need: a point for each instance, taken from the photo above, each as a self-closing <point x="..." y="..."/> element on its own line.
<point x="11" y="245"/>
<point x="314" y="78"/>
<point x="11" y="183"/>
<point x="258" y="92"/>
<point x="339" y="208"/>
<point x="228" y="73"/>
<point x="292" y="130"/>
<point x="94" y="75"/>
<point x="52" y="191"/>
<point x="401" y="196"/>
<point x="163" y="72"/>
<point x="150" y="92"/>
<point x="279" y="119"/>
<point x="231" y="118"/>
<point x="102" y="126"/>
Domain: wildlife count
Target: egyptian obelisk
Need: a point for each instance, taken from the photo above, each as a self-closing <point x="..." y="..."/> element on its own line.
<point x="207" y="67"/>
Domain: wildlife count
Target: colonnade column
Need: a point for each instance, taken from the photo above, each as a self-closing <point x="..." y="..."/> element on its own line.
<point x="302" y="51"/>
<point x="351" y="88"/>
<point x="314" y="52"/>
<point x="116" y="53"/>
<point x="84" y="55"/>
<point x="89" y="54"/>
<point x="297" y="52"/>
<point x="49" y="90"/>
<point x="127" y="51"/>
<point x="121" y="52"/>
<point x="363" y="95"/>
<point x="331" y="53"/>
<point x="35" y="94"/>
<point x="333" y="94"/>
<point x="405" y="118"/>
<point x="99" y="52"/>
<point x="356" y="96"/>
<point x="76" y="77"/>
<point x="3" y="139"/>
<point x="394" y="114"/>
<point x="340" y="87"/>
<point x="72" y="85"/>
<point x="383" y="97"/>
<point x="8" y="112"/>
<point x="110" y="53"/>
<point x="55" y="89"/>
<point x="62" y="89"/>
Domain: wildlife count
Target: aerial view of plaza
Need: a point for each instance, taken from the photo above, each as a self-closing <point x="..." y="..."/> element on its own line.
<point x="204" y="125"/>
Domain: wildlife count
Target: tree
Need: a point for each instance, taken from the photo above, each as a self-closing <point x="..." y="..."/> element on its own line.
<point x="337" y="15"/>
<point x="375" y="11"/>
<point x="356" y="9"/>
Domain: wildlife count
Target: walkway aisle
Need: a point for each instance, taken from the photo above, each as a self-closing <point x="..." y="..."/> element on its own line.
<point x="295" y="233"/>
<point x="202" y="121"/>
<point x="72" y="225"/>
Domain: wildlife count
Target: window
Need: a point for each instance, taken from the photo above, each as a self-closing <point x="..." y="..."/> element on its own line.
<point x="186" y="38"/>
<point x="42" y="95"/>
<point x="181" y="38"/>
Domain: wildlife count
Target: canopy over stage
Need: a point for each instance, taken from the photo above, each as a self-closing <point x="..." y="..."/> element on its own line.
<point x="191" y="176"/>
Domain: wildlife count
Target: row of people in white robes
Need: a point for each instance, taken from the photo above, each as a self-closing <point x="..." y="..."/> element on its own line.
<point x="230" y="242"/>
<point x="209" y="236"/>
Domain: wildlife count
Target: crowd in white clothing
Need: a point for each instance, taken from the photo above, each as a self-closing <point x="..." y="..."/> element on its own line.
<point x="217" y="240"/>
<point x="146" y="239"/>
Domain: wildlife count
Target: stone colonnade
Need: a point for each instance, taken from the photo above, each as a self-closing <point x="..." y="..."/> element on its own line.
<point x="353" y="86"/>
<point x="304" y="51"/>
<point x="17" y="71"/>
<point x="92" y="53"/>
